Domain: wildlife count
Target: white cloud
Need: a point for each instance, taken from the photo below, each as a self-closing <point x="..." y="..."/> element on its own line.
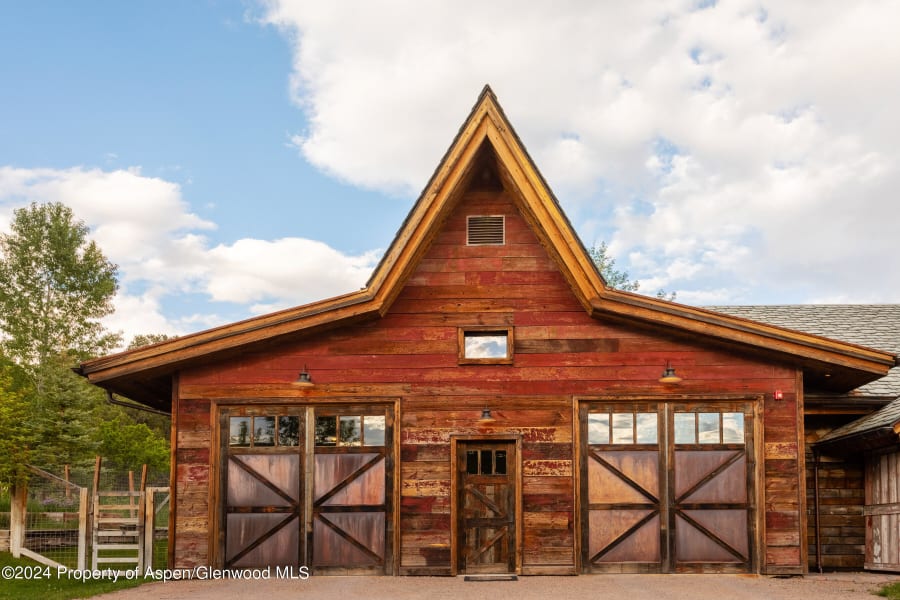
<point x="294" y="270"/>
<point x="145" y="226"/>
<point x="744" y="146"/>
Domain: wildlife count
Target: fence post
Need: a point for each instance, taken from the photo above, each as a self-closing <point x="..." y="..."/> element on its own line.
<point x="149" y="528"/>
<point x="17" y="507"/>
<point x="66" y="474"/>
<point x="83" y="528"/>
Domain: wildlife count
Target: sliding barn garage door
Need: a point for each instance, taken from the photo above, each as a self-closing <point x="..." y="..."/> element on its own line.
<point x="329" y="509"/>
<point x="667" y="487"/>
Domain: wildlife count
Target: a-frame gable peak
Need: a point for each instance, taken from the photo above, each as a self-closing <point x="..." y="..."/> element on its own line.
<point x="486" y="124"/>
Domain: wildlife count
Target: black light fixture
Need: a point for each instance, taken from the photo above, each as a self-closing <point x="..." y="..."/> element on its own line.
<point x="669" y="375"/>
<point x="486" y="416"/>
<point x="304" y="378"/>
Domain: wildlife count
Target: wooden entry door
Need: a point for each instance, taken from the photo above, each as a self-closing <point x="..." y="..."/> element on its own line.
<point x="262" y="489"/>
<point x="667" y="487"/>
<point x="486" y="506"/>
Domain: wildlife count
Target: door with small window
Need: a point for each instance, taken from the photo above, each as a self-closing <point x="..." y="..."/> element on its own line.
<point x="486" y="506"/>
<point x="667" y="487"/>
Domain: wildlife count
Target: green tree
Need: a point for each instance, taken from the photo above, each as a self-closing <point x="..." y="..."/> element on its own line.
<point x="17" y="436"/>
<point x="145" y="339"/>
<point x="127" y="446"/>
<point x="615" y="278"/>
<point x="55" y="286"/>
<point x="65" y="414"/>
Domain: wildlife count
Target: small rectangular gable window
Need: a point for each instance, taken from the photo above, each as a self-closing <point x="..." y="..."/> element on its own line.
<point x="485" y="231"/>
<point x="490" y="346"/>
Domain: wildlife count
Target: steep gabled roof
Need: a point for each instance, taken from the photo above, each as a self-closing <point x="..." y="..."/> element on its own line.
<point x="144" y="373"/>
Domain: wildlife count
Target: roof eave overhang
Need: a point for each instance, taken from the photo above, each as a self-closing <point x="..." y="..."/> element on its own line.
<point x="861" y="441"/>
<point x="842" y="366"/>
<point x="165" y="357"/>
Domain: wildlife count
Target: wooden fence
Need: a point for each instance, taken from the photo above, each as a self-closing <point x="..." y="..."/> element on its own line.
<point x="115" y="529"/>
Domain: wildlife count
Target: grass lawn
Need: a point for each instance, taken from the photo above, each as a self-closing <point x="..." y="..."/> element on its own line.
<point x="21" y="582"/>
<point x="891" y="591"/>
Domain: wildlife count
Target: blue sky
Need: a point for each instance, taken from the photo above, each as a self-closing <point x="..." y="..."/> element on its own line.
<point x="240" y="157"/>
<point x="193" y="92"/>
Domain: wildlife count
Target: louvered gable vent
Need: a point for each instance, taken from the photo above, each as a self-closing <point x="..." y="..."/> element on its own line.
<point x="485" y="230"/>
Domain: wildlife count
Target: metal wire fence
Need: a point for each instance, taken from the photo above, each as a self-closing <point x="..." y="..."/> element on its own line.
<point x="58" y="525"/>
<point x="55" y="519"/>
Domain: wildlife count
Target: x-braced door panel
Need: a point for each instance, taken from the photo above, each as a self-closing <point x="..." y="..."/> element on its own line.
<point x="711" y="482"/>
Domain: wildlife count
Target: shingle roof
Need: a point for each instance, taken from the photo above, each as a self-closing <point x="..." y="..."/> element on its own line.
<point x="871" y="325"/>
<point x="884" y="418"/>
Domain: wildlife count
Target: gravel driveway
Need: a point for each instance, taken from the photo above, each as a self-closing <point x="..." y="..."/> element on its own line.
<point x="843" y="586"/>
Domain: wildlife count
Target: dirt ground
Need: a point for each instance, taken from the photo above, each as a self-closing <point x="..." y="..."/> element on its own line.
<point x="842" y="586"/>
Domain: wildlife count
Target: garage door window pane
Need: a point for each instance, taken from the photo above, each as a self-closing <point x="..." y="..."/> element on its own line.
<point x="239" y="431"/>
<point x="684" y="428"/>
<point x="373" y="430"/>
<point x="646" y="428"/>
<point x="263" y="431"/>
<point x="326" y="431"/>
<point x="349" y="431"/>
<point x="288" y="431"/>
<point x="733" y="428"/>
<point x="623" y="428"/>
<point x="709" y="428"/>
<point x="598" y="429"/>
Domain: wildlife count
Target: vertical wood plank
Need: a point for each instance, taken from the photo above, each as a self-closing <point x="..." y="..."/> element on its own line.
<point x="173" y="473"/>
<point x="17" y="509"/>
<point x="83" y="523"/>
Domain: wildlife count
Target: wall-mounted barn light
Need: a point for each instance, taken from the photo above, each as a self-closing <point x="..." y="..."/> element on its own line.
<point x="304" y="378"/>
<point x="669" y="375"/>
<point x="486" y="417"/>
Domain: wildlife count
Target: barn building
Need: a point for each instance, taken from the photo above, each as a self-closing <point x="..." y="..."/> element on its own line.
<point x="487" y="404"/>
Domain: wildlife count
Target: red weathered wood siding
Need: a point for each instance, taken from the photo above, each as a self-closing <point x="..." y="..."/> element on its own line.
<point x="560" y="353"/>
<point x="193" y="451"/>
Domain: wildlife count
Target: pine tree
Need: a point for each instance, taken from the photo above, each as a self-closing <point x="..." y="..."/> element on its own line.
<point x="618" y="279"/>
